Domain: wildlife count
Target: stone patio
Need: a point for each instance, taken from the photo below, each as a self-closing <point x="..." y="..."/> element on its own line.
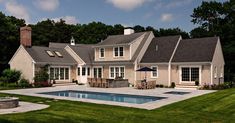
<point x="24" y="107"/>
<point x="158" y="92"/>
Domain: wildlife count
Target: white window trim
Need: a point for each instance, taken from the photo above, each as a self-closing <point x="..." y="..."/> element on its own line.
<point x="118" y="51"/>
<point x="152" y="72"/>
<point x="59" y="72"/>
<point x="102" y="71"/>
<point x="115" y="71"/>
<point x="100" y="52"/>
<point x="190" y="66"/>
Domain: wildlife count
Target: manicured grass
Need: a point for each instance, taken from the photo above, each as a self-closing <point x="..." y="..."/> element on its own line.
<point x="216" y="107"/>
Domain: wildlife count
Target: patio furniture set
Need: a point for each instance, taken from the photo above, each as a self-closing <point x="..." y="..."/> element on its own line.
<point x="108" y="83"/>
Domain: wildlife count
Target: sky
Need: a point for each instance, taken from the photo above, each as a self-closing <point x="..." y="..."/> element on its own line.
<point x="155" y="13"/>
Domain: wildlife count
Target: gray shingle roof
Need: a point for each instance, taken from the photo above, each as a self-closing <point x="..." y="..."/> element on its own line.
<point x="120" y="39"/>
<point x="166" y="46"/>
<point x="58" y="45"/>
<point x="85" y="52"/>
<point x="196" y="50"/>
<point x="39" y="55"/>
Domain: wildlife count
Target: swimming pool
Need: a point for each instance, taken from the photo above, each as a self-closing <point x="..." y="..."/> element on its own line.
<point x="136" y="99"/>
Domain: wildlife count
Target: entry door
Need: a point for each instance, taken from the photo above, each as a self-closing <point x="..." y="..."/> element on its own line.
<point x="97" y="72"/>
<point x="84" y="73"/>
<point x="190" y="74"/>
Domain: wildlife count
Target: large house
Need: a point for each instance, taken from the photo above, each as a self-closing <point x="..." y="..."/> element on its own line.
<point x="178" y="60"/>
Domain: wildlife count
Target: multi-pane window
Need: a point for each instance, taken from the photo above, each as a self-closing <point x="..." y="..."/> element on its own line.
<point x="59" y="73"/>
<point x="62" y="73"/>
<point x="97" y="72"/>
<point x="112" y="72"/>
<point x="78" y="71"/>
<point x="121" y="51"/>
<point x="101" y="53"/>
<point x="117" y="72"/>
<point x="154" y="73"/>
<point x="83" y="71"/>
<point x="118" y="51"/>
<point x="190" y="74"/>
<point x="88" y="71"/>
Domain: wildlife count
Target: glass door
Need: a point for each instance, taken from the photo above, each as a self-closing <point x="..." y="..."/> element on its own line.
<point x="190" y="74"/>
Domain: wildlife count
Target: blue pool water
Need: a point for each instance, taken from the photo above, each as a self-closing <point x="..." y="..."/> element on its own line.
<point x="105" y="96"/>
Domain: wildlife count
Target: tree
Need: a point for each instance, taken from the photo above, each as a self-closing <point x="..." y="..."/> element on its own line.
<point x="218" y="19"/>
<point x="9" y="38"/>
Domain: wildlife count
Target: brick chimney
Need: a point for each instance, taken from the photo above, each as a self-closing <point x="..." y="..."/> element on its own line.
<point x="25" y="36"/>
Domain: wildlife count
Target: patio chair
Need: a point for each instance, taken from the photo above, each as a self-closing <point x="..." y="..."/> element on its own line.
<point x="98" y="82"/>
<point x="104" y="83"/>
<point x="89" y="80"/>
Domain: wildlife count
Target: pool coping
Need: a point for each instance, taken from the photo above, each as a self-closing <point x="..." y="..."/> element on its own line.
<point x="158" y="92"/>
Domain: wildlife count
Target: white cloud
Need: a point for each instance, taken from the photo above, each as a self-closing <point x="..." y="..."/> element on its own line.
<point x="167" y="17"/>
<point x="127" y="5"/>
<point x="67" y="19"/>
<point x="172" y="4"/>
<point x="17" y="10"/>
<point x="47" y="5"/>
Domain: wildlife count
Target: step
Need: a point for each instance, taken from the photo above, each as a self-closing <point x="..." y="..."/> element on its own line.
<point x="64" y="84"/>
<point x="190" y="87"/>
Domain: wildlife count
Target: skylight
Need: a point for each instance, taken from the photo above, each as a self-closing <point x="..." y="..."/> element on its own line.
<point x="50" y="53"/>
<point x="58" y="54"/>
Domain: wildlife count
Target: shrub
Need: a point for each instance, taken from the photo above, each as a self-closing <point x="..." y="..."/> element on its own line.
<point x="11" y="76"/>
<point x="172" y="85"/>
<point x="161" y="86"/>
<point x="42" y="84"/>
<point x="197" y="82"/>
<point x="41" y="76"/>
<point x="24" y="83"/>
<point x="157" y="85"/>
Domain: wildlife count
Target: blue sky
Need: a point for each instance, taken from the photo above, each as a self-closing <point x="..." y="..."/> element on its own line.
<point x="155" y="13"/>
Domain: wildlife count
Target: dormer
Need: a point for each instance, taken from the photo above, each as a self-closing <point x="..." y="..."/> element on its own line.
<point x="119" y="47"/>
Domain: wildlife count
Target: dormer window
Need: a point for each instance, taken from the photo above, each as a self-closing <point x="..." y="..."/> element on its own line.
<point x="50" y="53"/>
<point x="118" y="51"/>
<point x="101" y="52"/>
<point x="58" y="54"/>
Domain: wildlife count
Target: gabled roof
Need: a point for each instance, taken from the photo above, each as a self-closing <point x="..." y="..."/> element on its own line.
<point x="196" y="50"/>
<point x="166" y="46"/>
<point x="40" y="55"/>
<point x="120" y="39"/>
<point x="85" y="52"/>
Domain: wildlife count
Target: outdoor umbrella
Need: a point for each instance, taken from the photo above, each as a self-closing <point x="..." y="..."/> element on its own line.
<point x="145" y="69"/>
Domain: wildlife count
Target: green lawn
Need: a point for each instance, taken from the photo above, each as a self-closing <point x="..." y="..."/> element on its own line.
<point x="215" y="107"/>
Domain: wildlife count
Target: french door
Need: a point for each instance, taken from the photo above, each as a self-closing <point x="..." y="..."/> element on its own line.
<point x="97" y="72"/>
<point x="190" y="74"/>
<point x="59" y="73"/>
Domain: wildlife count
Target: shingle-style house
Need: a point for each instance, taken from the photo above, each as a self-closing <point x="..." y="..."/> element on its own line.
<point x="175" y="59"/>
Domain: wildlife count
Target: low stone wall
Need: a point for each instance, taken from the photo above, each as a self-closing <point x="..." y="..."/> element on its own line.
<point x="8" y="102"/>
<point x="119" y="83"/>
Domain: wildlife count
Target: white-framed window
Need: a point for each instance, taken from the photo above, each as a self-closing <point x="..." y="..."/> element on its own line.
<point x="118" y="51"/>
<point x="101" y="52"/>
<point x="88" y="71"/>
<point x="59" y="73"/>
<point x="83" y="71"/>
<point x="116" y="71"/>
<point x="98" y="72"/>
<point x="154" y="74"/>
<point x="190" y="74"/>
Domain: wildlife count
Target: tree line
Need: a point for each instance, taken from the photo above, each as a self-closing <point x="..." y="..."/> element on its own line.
<point x="214" y="19"/>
